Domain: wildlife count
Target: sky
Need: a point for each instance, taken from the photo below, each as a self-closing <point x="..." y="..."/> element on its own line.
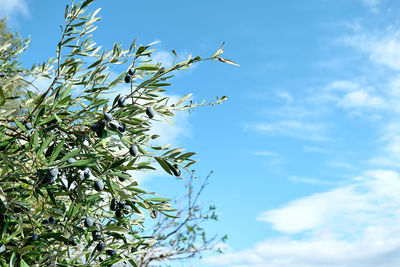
<point x="306" y="150"/>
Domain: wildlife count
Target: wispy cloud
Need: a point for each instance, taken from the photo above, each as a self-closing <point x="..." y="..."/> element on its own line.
<point x="373" y="5"/>
<point x="292" y="128"/>
<point x="13" y="7"/>
<point x="351" y="225"/>
<point x="313" y="181"/>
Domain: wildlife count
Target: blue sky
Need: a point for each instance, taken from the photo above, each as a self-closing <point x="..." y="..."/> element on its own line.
<point x="306" y="151"/>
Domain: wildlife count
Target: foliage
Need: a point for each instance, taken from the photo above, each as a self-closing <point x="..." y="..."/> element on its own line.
<point x="67" y="192"/>
<point x="11" y="45"/>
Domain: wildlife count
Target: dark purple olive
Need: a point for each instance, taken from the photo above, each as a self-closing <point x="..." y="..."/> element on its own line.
<point x="52" y="219"/>
<point x="122" y="179"/>
<point x="100" y="246"/>
<point x="114" y="125"/>
<point x="88" y="222"/>
<point x="150" y="112"/>
<point x="98" y="185"/>
<point x="28" y="126"/>
<point x="33" y="237"/>
<point x="122" y="101"/>
<point x="96" y="237"/>
<point x="108" y="117"/>
<point x="45" y="221"/>
<point x="111" y="252"/>
<point x="113" y="205"/>
<point x="86" y="174"/>
<point x="121" y="205"/>
<point x="72" y="242"/>
<point x="95" y="127"/>
<point x="98" y="128"/>
<point x="131" y="71"/>
<point x="128" y="78"/>
<point x="122" y="127"/>
<point x="134" y="151"/>
<point x="118" y="213"/>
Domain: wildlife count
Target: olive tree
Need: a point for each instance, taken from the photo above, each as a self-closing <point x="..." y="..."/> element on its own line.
<point x="68" y="196"/>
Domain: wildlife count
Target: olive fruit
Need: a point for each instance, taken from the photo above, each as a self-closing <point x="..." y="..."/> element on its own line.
<point x="98" y="128"/>
<point x="114" y="125"/>
<point x="118" y="213"/>
<point x="33" y="237"/>
<point x="121" y="205"/>
<point x="72" y="242"/>
<point x="96" y="237"/>
<point x="45" y="221"/>
<point x="86" y="174"/>
<point x="52" y="219"/>
<point x="122" y="127"/>
<point x="98" y="185"/>
<point x="88" y="222"/>
<point x="134" y="151"/>
<point x="131" y="71"/>
<point x="128" y="78"/>
<point x="122" y="101"/>
<point x="111" y="252"/>
<point x="113" y="205"/>
<point x="28" y="126"/>
<point x="108" y="116"/>
<point x="100" y="246"/>
<point x="150" y="112"/>
<point x="95" y="127"/>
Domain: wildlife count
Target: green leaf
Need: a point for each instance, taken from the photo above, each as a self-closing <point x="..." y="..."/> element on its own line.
<point x="219" y="51"/>
<point x="36" y="140"/>
<point x="147" y="67"/>
<point x="226" y="61"/>
<point x="13" y="259"/>
<point x="70" y="155"/>
<point x="186" y="97"/>
<point x="19" y="125"/>
<point x="46" y="143"/>
<point x="158" y="199"/>
<point x="57" y="150"/>
<point x="116" y="229"/>
<point x="172" y="151"/>
<point x="2" y="97"/>
<point x="86" y="3"/>
<point x="163" y="164"/>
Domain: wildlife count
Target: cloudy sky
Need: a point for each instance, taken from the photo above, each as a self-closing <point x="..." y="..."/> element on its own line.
<point x="306" y="151"/>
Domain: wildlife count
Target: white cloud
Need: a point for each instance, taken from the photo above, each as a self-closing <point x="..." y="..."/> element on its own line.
<point x="12" y="7"/>
<point x="352" y="225"/>
<point x="285" y="95"/>
<point x="311" y="181"/>
<point x="373" y="5"/>
<point x="292" y="128"/>
<point x="264" y="153"/>
<point x="381" y="48"/>
<point x="361" y="98"/>
<point x="352" y="95"/>
<point x="164" y="57"/>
